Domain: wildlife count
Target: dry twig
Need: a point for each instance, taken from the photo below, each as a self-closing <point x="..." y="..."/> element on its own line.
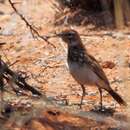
<point x="2" y="43"/>
<point x="34" y="32"/>
<point x="34" y="76"/>
<point x="7" y="74"/>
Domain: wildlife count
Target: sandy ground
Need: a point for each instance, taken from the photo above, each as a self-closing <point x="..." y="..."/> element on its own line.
<point x="33" y="56"/>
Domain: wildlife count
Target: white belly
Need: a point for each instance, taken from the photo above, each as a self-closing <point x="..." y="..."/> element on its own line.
<point x="82" y="74"/>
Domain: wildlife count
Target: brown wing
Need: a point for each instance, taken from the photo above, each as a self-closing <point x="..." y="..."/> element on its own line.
<point x="95" y="66"/>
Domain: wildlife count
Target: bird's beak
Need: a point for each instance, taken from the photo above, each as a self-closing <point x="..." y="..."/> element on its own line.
<point x="58" y="35"/>
<point x="55" y="35"/>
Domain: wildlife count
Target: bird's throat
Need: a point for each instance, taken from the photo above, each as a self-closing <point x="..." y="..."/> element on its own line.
<point x="76" y="54"/>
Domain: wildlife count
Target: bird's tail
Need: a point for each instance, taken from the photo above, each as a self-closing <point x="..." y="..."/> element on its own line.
<point x="117" y="97"/>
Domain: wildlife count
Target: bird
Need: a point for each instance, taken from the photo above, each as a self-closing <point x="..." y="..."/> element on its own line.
<point x="84" y="68"/>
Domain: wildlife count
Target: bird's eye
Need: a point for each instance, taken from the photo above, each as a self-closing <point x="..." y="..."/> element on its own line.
<point x="70" y="35"/>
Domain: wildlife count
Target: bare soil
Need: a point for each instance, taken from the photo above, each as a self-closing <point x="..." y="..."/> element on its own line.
<point x="60" y="111"/>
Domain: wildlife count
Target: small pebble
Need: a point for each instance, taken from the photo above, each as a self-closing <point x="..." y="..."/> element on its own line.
<point x="118" y="35"/>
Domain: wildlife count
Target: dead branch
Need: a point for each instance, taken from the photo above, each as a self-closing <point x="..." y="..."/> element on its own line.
<point x="33" y="31"/>
<point x="2" y="43"/>
<point x="34" y="76"/>
<point x="7" y="74"/>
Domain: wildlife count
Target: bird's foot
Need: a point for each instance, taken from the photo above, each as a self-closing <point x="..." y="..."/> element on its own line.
<point x="103" y="110"/>
<point x="80" y="105"/>
<point x="100" y="108"/>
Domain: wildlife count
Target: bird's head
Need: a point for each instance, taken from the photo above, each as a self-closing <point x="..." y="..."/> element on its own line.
<point x="70" y="36"/>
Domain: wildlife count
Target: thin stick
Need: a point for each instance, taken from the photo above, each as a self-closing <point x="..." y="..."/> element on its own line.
<point x="32" y="28"/>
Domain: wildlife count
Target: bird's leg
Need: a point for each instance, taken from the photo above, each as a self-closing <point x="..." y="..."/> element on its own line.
<point x="100" y="91"/>
<point x="83" y="94"/>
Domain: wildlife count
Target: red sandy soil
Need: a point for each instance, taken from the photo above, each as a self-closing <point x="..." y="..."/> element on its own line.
<point x="32" y="56"/>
